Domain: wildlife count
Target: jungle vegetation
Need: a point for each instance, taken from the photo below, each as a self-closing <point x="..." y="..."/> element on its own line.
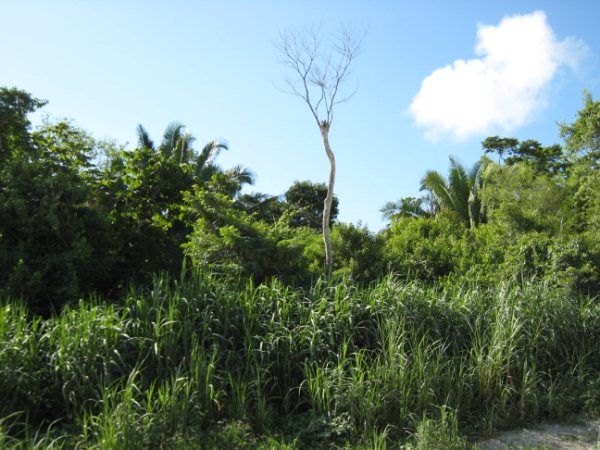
<point x="147" y="301"/>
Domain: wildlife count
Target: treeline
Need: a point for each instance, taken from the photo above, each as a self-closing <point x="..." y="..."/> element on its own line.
<point x="523" y="211"/>
<point x="78" y="215"/>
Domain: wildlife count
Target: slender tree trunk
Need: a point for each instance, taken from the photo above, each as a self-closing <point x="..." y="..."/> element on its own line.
<point x="473" y="208"/>
<point x="328" y="200"/>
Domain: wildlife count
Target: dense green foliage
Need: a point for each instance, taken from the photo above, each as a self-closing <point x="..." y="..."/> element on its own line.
<point x="534" y="214"/>
<point x="51" y="227"/>
<point x="184" y="360"/>
<point x="81" y="216"/>
<point x="304" y="202"/>
<point x="148" y="302"/>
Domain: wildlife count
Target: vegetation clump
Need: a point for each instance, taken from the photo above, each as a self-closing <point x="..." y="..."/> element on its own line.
<point x="145" y="302"/>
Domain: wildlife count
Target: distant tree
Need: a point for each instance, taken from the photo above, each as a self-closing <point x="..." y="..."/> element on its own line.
<point x="265" y="207"/>
<point x="543" y="159"/>
<point x="495" y="144"/>
<point x="460" y="192"/>
<point x="318" y="78"/>
<point x="15" y="105"/>
<point x="405" y="207"/>
<point x="304" y="204"/>
<point x="582" y="137"/>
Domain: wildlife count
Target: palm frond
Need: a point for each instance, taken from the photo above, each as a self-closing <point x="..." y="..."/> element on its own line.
<point x="183" y="148"/>
<point x="390" y="209"/>
<point x="437" y="184"/>
<point x="474" y="172"/>
<point x="204" y="173"/>
<point x="460" y="187"/>
<point x="242" y="175"/>
<point x="209" y="153"/>
<point x="405" y="207"/>
<point x="171" y="136"/>
<point x="144" y="140"/>
<point x="477" y="173"/>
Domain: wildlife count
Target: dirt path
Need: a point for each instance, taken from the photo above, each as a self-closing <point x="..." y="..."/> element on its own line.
<point x="584" y="436"/>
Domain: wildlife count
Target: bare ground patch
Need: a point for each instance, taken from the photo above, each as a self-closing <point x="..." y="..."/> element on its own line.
<point x="581" y="436"/>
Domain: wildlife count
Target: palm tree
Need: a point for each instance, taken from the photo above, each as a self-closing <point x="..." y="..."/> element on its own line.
<point x="204" y="163"/>
<point x="459" y="193"/>
<point x="144" y="140"/>
<point x="176" y="144"/>
<point x="405" y="207"/>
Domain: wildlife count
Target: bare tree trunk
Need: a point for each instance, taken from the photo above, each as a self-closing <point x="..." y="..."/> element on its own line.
<point x="317" y="80"/>
<point x="327" y="204"/>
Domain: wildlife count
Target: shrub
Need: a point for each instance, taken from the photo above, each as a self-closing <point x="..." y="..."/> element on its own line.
<point x="426" y="248"/>
<point x="357" y="252"/>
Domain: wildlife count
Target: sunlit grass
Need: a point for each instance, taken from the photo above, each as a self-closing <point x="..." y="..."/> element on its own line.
<point x="202" y="362"/>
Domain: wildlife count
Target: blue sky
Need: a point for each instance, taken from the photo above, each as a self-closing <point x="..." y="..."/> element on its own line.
<point x="434" y="79"/>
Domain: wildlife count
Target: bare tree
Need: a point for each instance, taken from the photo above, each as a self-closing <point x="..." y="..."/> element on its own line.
<point x="318" y="79"/>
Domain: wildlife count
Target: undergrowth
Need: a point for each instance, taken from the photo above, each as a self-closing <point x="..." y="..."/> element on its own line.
<point x="203" y="362"/>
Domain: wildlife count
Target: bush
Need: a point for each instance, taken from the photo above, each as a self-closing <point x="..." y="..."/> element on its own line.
<point x="426" y="248"/>
<point x="357" y="252"/>
<point x="229" y="240"/>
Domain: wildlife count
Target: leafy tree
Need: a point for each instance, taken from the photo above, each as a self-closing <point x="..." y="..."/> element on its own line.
<point x="582" y="137"/>
<point x="265" y="207"/>
<point x="524" y="199"/>
<point x="496" y="144"/>
<point x="143" y="192"/>
<point x="543" y="159"/>
<point x="425" y="247"/>
<point x="15" y="135"/>
<point x="582" y="141"/>
<point x="230" y="240"/>
<point x="53" y="237"/>
<point x="304" y="204"/>
<point x="223" y="236"/>
<point x="533" y="231"/>
<point x="360" y="252"/>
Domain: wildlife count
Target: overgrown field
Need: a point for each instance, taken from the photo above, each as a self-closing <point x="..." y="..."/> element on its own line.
<point x="203" y="362"/>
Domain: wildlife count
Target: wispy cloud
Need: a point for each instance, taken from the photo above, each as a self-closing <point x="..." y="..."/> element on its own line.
<point x="501" y="89"/>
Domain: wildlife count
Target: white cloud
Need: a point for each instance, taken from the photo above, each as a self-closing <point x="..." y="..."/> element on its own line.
<point x="503" y="87"/>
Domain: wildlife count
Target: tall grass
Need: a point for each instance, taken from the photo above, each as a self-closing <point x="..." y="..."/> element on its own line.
<point x="203" y="362"/>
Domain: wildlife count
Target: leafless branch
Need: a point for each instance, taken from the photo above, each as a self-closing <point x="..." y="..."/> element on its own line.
<point x="316" y="77"/>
